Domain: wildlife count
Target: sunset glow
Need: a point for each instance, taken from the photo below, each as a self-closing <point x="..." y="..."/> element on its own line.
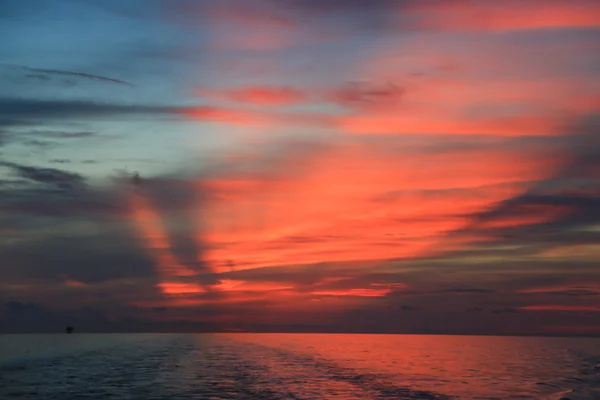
<point x="387" y="166"/>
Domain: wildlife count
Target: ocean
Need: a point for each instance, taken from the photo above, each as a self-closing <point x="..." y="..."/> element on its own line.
<point x="296" y="366"/>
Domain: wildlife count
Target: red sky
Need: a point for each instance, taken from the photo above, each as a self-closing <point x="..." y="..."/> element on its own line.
<point x="379" y="166"/>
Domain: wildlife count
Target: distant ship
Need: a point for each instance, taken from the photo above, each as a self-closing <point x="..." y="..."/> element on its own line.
<point x="69" y="329"/>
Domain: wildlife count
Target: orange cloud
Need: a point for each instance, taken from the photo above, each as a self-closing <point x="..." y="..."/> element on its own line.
<point x="74" y="283"/>
<point x="375" y="290"/>
<point x="224" y="115"/>
<point x="174" y="300"/>
<point x="169" y="288"/>
<point x="231" y="285"/>
<point x="492" y="87"/>
<point x="508" y="126"/>
<point x="270" y="96"/>
<point x="504" y="16"/>
<point x="359" y="203"/>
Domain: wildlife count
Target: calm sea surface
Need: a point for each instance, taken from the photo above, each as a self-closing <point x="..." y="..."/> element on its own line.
<point x="296" y="366"/>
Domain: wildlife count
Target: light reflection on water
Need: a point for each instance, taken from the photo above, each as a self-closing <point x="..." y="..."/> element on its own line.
<point x="296" y="366"/>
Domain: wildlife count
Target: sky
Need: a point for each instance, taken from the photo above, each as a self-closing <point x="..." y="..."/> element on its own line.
<point x="384" y="166"/>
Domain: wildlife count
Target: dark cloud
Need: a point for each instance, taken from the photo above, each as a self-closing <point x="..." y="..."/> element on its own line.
<point x="49" y="176"/>
<point x="90" y="236"/>
<point x="45" y="74"/>
<point x="474" y="309"/>
<point x="41" y="139"/>
<point x="40" y="144"/>
<point x="581" y="210"/>
<point x="6" y="122"/>
<point x="50" y="192"/>
<point x="61" y="134"/>
<point x="13" y="183"/>
<point x="408" y="308"/>
<point x="20" y="316"/>
<point x="38" y="77"/>
<point x="173" y="199"/>
<point x="571" y="292"/>
<point x="17" y="316"/>
<point x="91" y="258"/>
<point x="7" y="125"/>
<point x="567" y="202"/>
<point x="467" y="291"/>
<point x="28" y="203"/>
<point x="367" y="96"/>
<point x="506" y="310"/>
<point x="43" y="109"/>
<point x="19" y="309"/>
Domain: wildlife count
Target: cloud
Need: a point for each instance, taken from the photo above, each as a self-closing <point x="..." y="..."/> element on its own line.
<point x="33" y="109"/>
<point x="20" y="309"/>
<point x="42" y="192"/>
<point x="355" y="95"/>
<point x="62" y="134"/>
<point x="506" y="310"/>
<point x="339" y="17"/>
<point x="365" y="96"/>
<point x="408" y="308"/>
<point x="402" y="195"/>
<point x="419" y="185"/>
<point x="42" y="73"/>
<point x="465" y="15"/>
<point x="557" y="211"/>
<point x="575" y="212"/>
<point x="380" y="290"/>
<point x="23" y="316"/>
<point x="474" y="309"/>
<point x="159" y="214"/>
<point x="257" y="95"/>
<point x="569" y="291"/>
<point x="468" y="291"/>
<point x="557" y="307"/>
<point x="92" y="259"/>
<point x="6" y="128"/>
<point x="29" y="203"/>
<point x="353" y="17"/>
<point x="408" y="124"/>
<point x="193" y="222"/>
<point x="49" y="176"/>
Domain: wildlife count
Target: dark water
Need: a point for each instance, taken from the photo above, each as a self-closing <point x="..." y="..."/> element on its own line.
<point x="274" y="366"/>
